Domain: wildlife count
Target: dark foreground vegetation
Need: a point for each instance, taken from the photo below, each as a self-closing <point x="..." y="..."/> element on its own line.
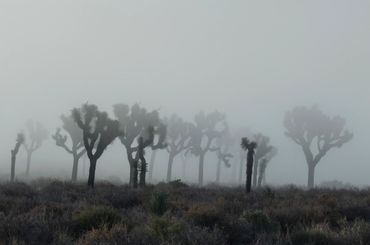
<point x="53" y="212"/>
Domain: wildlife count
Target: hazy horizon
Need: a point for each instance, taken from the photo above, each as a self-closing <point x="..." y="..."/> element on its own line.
<point x="253" y="61"/>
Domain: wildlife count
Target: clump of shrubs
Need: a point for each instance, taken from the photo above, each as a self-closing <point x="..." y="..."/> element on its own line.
<point x="94" y="218"/>
<point x="158" y="202"/>
<point x="58" y="212"/>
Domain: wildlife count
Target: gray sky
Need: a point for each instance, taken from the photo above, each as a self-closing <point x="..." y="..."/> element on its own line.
<point x="253" y="60"/>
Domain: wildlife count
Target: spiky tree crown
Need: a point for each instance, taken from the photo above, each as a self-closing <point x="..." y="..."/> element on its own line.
<point x="308" y="125"/>
<point x="98" y="129"/>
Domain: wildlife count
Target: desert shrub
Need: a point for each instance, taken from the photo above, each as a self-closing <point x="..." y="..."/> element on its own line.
<point x="357" y="232"/>
<point x="158" y="202"/>
<point x="204" y="215"/>
<point x="25" y="228"/>
<point x="196" y="235"/>
<point x="259" y="221"/>
<point x="117" y="234"/>
<point x="95" y="218"/>
<point x="318" y="235"/>
<point x="17" y="189"/>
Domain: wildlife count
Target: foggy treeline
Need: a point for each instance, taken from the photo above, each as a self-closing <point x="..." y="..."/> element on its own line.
<point x="88" y="131"/>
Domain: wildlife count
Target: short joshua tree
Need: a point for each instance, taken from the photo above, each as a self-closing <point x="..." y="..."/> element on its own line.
<point x="37" y="134"/>
<point x="309" y="128"/>
<point x="76" y="147"/>
<point x="14" y="152"/>
<point x="99" y="131"/>
<point x="250" y="147"/>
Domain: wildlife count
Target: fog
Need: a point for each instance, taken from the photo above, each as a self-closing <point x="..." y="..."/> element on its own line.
<point x="253" y="60"/>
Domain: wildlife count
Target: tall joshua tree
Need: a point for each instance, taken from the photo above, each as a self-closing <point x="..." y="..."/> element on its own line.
<point x="263" y="165"/>
<point x="98" y="132"/>
<point x="77" y="149"/>
<point x="223" y="155"/>
<point x="250" y="147"/>
<point x="14" y="152"/>
<point x="310" y="128"/>
<point x="205" y="132"/>
<point x="263" y="149"/>
<point x="179" y="139"/>
<point x="134" y="122"/>
<point x="148" y="139"/>
<point x="37" y="134"/>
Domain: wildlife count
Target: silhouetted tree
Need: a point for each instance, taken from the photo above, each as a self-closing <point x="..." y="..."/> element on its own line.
<point x="263" y="165"/>
<point x="98" y="132"/>
<point x="145" y="140"/>
<point x="204" y="134"/>
<point x="77" y="149"/>
<point x="263" y="148"/>
<point x="37" y="134"/>
<point x="134" y="122"/>
<point x="309" y="127"/>
<point x="179" y="139"/>
<point x="14" y="152"/>
<point x="223" y="156"/>
<point x="250" y="147"/>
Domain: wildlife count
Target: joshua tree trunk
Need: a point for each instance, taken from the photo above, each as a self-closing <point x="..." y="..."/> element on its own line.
<point x="183" y="174"/>
<point x="151" y="166"/>
<point x="74" y="168"/>
<point x="143" y="174"/>
<point x="91" y="180"/>
<point x="12" y="173"/>
<point x="218" y="174"/>
<point x="133" y="169"/>
<point x="311" y="176"/>
<point x="260" y="178"/>
<point x="201" y="169"/>
<point x="134" y="174"/>
<point x="29" y="156"/>
<point x="169" y="167"/>
<point x="241" y="172"/>
<point x="255" y="174"/>
<point x="249" y="171"/>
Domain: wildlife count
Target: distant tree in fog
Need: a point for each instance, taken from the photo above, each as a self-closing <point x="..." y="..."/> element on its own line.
<point x="179" y="139"/>
<point x="136" y="122"/>
<point x="225" y="142"/>
<point x="14" y="152"/>
<point x="37" y="134"/>
<point x="250" y="147"/>
<point x="316" y="133"/>
<point x="98" y="132"/>
<point x="148" y="139"/>
<point x="262" y="151"/>
<point x="207" y="129"/>
<point x="77" y="148"/>
<point x="263" y="165"/>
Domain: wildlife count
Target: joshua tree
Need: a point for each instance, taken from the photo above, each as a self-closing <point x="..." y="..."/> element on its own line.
<point x="204" y="134"/>
<point x="224" y="142"/>
<point x="145" y="140"/>
<point x="77" y="149"/>
<point x="98" y="132"/>
<point x="179" y="139"/>
<point x="151" y="166"/>
<point x="20" y="141"/>
<point x="262" y="150"/>
<point x="309" y="128"/>
<point x="250" y="147"/>
<point x="134" y="122"/>
<point x="37" y="134"/>
<point x="263" y="165"/>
